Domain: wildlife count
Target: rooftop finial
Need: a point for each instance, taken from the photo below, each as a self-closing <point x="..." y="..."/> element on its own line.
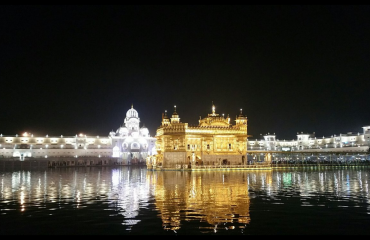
<point x="213" y="109"/>
<point x="132" y="105"/>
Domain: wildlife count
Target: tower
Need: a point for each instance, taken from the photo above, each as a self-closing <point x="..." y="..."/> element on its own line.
<point x="175" y="117"/>
<point x="165" y="119"/>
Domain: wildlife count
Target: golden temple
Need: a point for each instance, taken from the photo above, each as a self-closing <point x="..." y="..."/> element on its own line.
<point x="214" y="142"/>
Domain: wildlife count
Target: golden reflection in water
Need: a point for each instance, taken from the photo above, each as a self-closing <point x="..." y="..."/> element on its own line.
<point x="215" y="197"/>
<point x="22" y="200"/>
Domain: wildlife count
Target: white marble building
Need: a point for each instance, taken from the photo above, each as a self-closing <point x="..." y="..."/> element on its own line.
<point x="129" y="145"/>
<point x="309" y="142"/>
<point x="130" y="142"/>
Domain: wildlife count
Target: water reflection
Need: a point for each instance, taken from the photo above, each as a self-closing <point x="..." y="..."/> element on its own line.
<point x="336" y="182"/>
<point x="134" y="198"/>
<point x="217" y="198"/>
<point x="129" y="193"/>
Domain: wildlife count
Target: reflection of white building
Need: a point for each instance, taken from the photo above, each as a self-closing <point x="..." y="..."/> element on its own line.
<point x="129" y="193"/>
<point x="130" y="142"/>
<point x="129" y="145"/>
<point x="126" y="189"/>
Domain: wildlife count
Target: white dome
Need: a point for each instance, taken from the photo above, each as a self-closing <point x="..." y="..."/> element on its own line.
<point x="144" y="131"/>
<point x="132" y="113"/>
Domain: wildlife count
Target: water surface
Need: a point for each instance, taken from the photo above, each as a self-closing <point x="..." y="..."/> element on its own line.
<point x="136" y="201"/>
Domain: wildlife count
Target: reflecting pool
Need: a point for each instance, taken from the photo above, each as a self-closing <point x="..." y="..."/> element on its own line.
<point x="131" y="200"/>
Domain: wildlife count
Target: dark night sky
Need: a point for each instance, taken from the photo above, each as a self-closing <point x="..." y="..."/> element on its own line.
<point x="71" y="69"/>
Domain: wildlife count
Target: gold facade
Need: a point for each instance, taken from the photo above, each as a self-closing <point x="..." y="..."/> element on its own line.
<point x="215" y="141"/>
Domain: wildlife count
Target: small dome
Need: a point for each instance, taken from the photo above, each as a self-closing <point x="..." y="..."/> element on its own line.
<point x="132" y="113"/>
<point x="144" y="131"/>
<point x="112" y="133"/>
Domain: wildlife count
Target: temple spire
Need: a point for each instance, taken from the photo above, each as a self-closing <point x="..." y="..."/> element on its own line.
<point x="175" y="117"/>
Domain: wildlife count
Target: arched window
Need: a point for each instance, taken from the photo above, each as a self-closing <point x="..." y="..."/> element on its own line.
<point x="135" y="145"/>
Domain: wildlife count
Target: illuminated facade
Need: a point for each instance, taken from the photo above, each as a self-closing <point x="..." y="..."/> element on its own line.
<point x="309" y="142"/>
<point x="130" y="144"/>
<point x="215" y="141"/>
